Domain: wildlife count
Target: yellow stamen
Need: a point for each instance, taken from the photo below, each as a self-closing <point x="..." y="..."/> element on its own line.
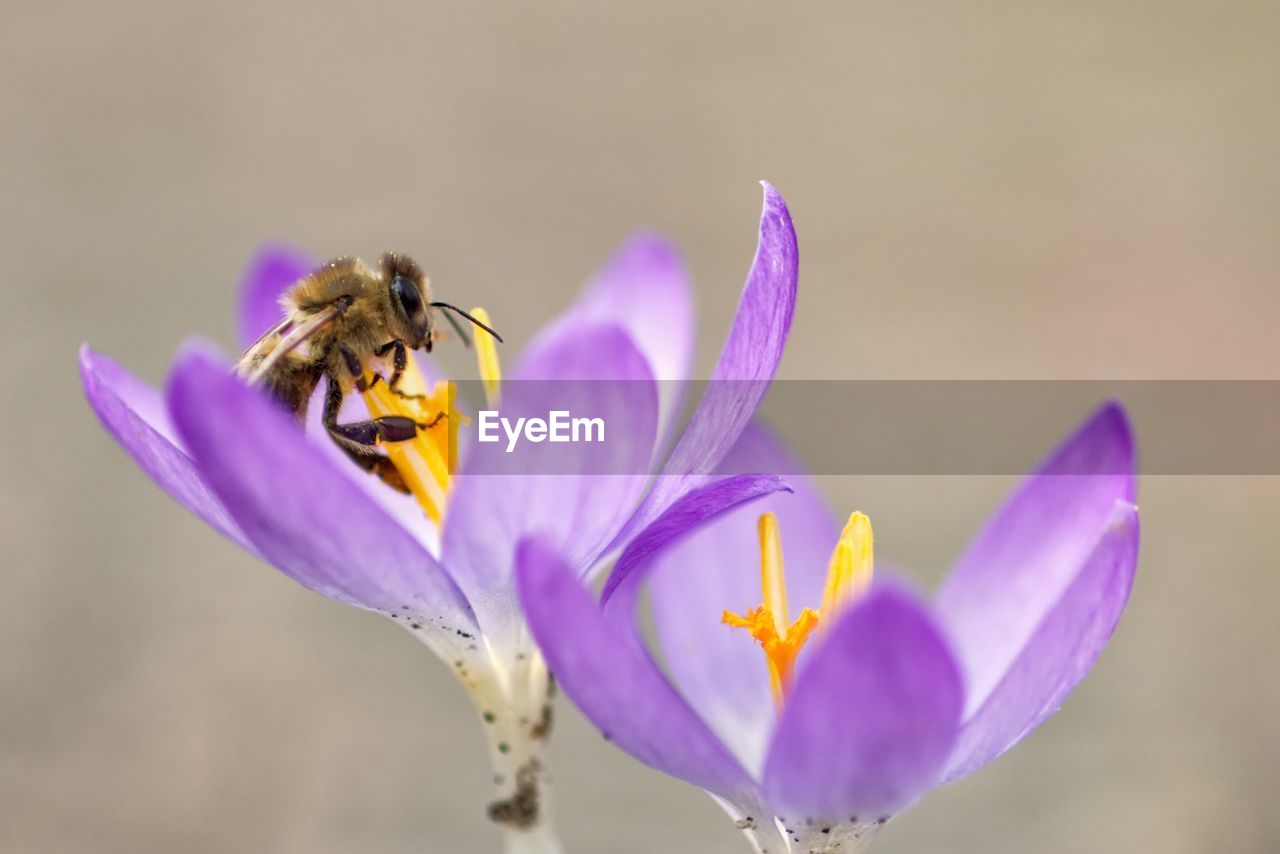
<point x="851" y="565"/>
<point x="487" y="358"/>
<point x="848" y="578"/>
<point x="426" y="462"/>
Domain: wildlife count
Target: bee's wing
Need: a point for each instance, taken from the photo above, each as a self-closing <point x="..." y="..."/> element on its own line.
<point x="259" y="349"/>
<point x="280" y="341"/>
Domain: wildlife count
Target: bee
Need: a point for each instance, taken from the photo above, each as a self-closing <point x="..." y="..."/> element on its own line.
<point x="337" y="320"/>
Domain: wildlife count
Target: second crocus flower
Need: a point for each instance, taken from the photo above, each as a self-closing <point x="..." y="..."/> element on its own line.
<point x="814" y="726"/>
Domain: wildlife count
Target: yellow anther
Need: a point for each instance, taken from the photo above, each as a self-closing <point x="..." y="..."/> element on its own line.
<point x="426" y="461"/>
<point x="851" y="565"/>
<point x="848" y="577"/>
<point x="487" y="358"/>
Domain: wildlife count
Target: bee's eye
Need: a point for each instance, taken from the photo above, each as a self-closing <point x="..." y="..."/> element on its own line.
<point x="407" y="293"/>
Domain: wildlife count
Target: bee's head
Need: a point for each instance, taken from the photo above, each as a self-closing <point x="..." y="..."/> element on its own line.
<point x="408" y="290"/>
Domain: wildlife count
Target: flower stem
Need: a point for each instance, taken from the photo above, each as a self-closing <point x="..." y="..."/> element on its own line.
<point x="534" y="840"/>
<point x="765" y="838"/>
<point x="515" y="710"/>
<point x="753" y="819"/>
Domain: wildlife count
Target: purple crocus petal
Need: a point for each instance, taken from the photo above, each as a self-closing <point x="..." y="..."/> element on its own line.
<point x="716" y="568"/>
<point x="644" y="288"/>
<point x="304" y="512"/>
<point x="576" y="495"/>
<point x="694" y="509"/>
<point x="603" y="666"/>
<point x="872" y="715"/>
<point x="1032" y="549"/>
<point x="134" y="414"/>
<point x="273" y="269"/>
<point x="1064" y="646"/>
<point x="746" y="366"/>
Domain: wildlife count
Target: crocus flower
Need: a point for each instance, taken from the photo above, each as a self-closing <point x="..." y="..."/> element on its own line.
<point x="832" y="721"/>
<point x="236" y="460"/>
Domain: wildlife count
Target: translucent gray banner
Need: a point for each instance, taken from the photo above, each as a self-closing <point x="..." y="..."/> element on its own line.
<point x="915" y="427"/>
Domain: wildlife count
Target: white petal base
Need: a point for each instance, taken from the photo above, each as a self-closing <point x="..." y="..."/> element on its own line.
<point x="777" y="836"/>
<point x="840" y="838"/>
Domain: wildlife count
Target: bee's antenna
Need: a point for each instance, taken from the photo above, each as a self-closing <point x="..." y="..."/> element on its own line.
<point x="458" y="327"/>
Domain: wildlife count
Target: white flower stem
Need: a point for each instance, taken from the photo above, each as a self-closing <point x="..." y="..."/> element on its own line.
<point x="534" y="840"/>
<point x="514" y="702"/>
<point x="756" y="824"/>
<point x="765" y="838"/>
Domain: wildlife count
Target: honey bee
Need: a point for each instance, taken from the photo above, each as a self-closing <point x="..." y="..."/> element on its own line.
<point x="337" y="320"/>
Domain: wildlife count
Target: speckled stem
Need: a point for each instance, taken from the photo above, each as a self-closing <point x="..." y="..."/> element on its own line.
<point x="514" y="702"/>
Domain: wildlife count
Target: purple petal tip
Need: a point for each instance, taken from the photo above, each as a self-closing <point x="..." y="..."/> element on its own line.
<point x="1108" y="436"/>
<point x="86" y="358"/>
<point x="270" y="272"/>
<point x="197" y="351"/>
<point x="651" y="244"/>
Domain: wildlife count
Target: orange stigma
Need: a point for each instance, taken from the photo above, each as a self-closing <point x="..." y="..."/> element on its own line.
<point x="848" y="577"/>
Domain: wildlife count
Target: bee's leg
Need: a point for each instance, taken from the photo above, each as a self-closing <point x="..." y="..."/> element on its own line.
<point x="376" y="431"/>
<point x="378" y="465"/>
<point x="364" y="434"/>
<point x="360" y="438"/>
<point x="399" y="361"/>
<point x="355" y="369"/>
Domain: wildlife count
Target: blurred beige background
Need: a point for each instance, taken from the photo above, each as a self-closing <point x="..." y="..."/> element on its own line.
<point x="981" y="190"/>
